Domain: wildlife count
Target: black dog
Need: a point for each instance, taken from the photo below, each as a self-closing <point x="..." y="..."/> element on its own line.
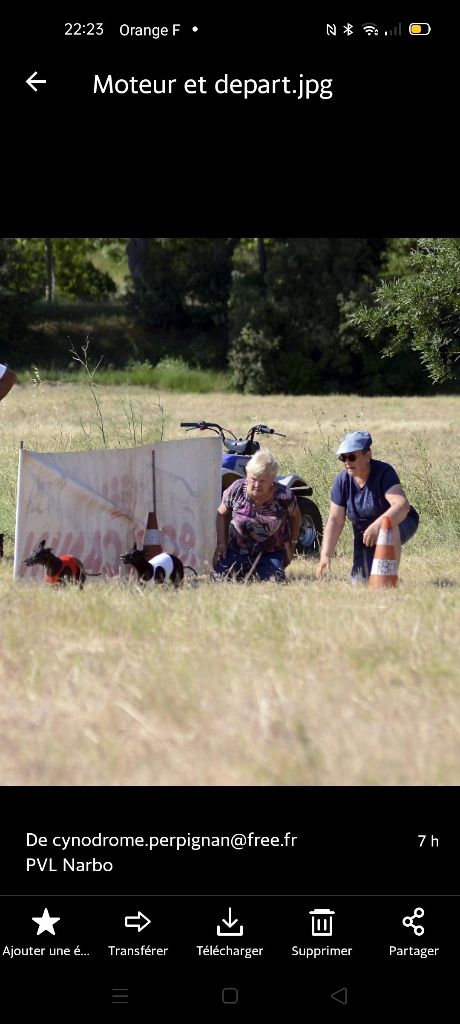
<point x="157" y="569"/>
<point x="61" y="570"/>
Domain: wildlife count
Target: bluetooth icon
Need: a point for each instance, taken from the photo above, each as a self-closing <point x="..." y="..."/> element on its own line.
<point x="348" y="29"/>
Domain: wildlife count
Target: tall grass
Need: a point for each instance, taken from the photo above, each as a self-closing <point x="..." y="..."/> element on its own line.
<point x="168" y="374"/>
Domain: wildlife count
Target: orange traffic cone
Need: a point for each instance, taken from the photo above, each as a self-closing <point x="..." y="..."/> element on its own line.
<point x="384" y="572"/>
<point x="152" y="537"/>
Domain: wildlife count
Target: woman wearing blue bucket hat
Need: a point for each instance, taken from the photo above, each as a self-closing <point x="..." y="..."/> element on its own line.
<point x="364" y="492"/>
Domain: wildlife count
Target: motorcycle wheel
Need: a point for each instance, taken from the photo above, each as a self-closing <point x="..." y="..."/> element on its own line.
<point x="311" y="530"/>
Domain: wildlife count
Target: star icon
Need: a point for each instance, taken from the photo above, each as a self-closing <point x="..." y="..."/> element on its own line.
<point x="45" y="922"/>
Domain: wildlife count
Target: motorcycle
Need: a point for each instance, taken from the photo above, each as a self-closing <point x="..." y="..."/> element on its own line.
<point x="237" y="453"/>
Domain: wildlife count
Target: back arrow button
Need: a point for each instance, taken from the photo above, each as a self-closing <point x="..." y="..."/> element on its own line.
<point x="33" y="82"/>
<point x="341" y="996"/>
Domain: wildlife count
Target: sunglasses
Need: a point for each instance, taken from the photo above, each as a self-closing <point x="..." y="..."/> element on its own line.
<point x="349" y="458"/>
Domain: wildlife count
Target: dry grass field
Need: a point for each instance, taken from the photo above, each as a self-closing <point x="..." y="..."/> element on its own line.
<point x="310" y="684"/>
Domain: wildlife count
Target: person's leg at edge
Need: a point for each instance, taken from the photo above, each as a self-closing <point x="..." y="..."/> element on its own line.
<point x="271" y="567"/>
<point x="234" y="565"/>
<point x="361" y="564"/>
<point x="406" y="530"/>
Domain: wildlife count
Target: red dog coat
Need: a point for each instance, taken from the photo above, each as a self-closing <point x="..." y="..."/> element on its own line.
<point x="67" y="560"/>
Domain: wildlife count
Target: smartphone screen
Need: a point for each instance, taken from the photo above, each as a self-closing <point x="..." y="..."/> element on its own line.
<point x="229" y="512"/>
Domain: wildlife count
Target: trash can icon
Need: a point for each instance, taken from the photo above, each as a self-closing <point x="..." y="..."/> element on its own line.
<point x="321" y="921"/>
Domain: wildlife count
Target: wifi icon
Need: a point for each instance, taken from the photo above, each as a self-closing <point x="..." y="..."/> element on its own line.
<point x="370" y="29"/>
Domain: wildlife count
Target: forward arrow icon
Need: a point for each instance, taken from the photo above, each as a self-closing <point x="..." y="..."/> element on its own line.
<point x="135" y="922"/>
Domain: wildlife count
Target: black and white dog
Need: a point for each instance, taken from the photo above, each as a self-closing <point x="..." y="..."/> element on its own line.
<point x="162" y="568"/>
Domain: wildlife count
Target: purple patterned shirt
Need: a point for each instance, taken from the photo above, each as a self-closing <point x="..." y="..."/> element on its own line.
<point x="252" y="526"/>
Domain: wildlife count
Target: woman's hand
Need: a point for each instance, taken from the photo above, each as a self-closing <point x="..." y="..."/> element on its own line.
<point x="370" y="536"/>
<point x="324" y="566"/>
<point x="290" y="551"/>
<point x="219" y="553"/>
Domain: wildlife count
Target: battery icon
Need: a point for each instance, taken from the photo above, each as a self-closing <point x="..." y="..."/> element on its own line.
<point x="419" y="28"/>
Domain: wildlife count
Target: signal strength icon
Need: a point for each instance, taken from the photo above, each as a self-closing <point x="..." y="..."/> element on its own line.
<point x="370" y="29"/>
<point x="396" y="31"/>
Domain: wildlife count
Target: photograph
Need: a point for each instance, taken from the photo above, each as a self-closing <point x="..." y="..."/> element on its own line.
<point x="230" y="511"/>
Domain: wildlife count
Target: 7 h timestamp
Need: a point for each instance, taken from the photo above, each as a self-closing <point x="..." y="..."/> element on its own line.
<point x="425" y="840"/>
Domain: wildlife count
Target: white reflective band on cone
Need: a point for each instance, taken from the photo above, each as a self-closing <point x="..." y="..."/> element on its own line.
<point x="383" y="567"/>
<point x="152" y="537"/>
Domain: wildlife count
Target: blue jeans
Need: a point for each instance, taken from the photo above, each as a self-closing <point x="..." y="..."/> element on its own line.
<point x="363" y="556"/>
<point x="269" y="567"/>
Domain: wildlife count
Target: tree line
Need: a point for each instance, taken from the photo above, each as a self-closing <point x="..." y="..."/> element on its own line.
<point x="294" y="315"/>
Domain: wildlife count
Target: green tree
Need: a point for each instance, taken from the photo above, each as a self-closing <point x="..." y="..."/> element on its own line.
<point x="182" y="285"/>
<point x="395" y="258"/>
<point x="16" y="300"/>
<point x="375" y="374"/>
<point x="63" y="267"/>
<point x="421" y="311"/>
<point x="292" y="312"/>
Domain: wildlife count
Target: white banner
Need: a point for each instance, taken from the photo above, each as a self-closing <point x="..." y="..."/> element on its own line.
<point x="94" y="505"/>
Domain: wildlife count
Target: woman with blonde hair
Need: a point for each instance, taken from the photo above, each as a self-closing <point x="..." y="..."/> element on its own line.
<point x="258" y="523"/>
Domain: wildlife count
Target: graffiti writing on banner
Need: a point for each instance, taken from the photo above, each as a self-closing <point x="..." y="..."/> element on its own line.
<point x="121" y="492"/>
<point x="183" y="542"/>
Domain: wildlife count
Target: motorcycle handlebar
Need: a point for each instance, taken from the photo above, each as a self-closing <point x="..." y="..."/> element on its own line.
<point x="204" y="425"/>
<point x="259" y="428"/>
